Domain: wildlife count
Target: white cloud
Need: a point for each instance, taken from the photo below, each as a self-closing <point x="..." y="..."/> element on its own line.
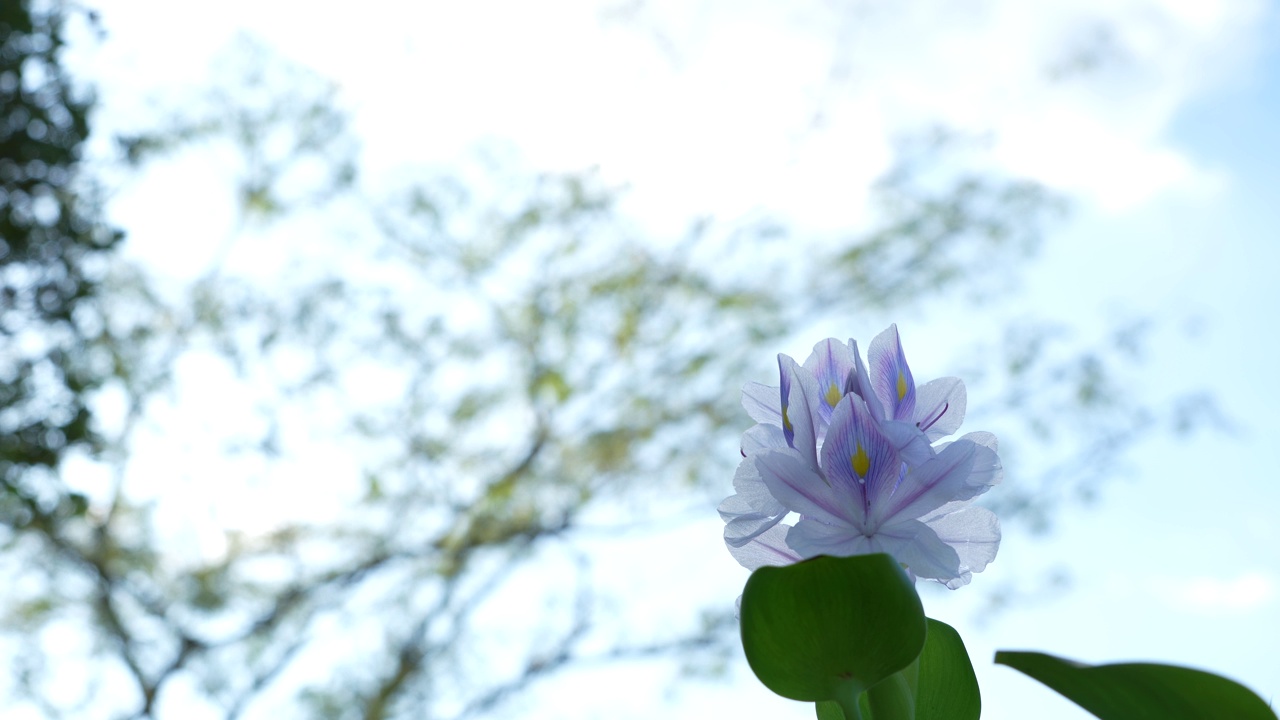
<point x="714" y="110"/>
<point x="1075" y="152"/>
<point x="1247" y="592"/>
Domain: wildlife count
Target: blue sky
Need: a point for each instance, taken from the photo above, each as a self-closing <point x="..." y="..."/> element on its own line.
<point x="1179" y="559"/>
<point x="1171" y="158"/>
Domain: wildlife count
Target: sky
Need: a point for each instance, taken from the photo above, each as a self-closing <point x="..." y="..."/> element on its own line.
<point x="1156" y="118"/>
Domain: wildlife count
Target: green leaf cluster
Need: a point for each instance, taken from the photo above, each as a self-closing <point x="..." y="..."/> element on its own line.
<point x="850" y="635"/>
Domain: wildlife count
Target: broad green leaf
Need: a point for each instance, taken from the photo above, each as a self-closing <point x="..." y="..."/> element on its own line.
<point x="829" y="628"/>
<point x="946" y="686"/>
<point x="1141" y="691"/>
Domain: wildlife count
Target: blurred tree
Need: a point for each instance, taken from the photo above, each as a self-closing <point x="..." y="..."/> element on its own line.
<point x="381" y="433"/>
<point x="53" y="247"/>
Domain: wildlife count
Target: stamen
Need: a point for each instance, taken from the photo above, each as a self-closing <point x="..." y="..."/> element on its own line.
<point x="927" y="423"/>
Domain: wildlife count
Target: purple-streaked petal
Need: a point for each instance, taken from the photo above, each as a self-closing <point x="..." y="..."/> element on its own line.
<point x="831" y="364"/>
<point x="927" y="487"/>
<point x="811" y="538"/>
<point x="762" y="438"/>
<point x="917" y="546"/>
<point x="800" y="488"/>
<point x="860" y="383"/>
<point x="940" y="406"/>
<point x="761" y="403"/>
<point x="798" y="394"/>
<point x="768" y="548"/>
<point x="751" y="510"/>
<point x="891" y="377"/>
<point x="786" y="379"/>
<point x="858" y="458"/>
<point x="974" y="533"/>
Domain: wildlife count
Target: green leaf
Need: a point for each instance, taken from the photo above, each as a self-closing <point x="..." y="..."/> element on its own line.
<point x="1141" y="691"/>
<point x="829" y="628"/>
<point x="893" y="698"/>
<point x="946" y="686"/>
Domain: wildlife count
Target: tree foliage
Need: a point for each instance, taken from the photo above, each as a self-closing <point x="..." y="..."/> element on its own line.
<point x="52" y="247"/>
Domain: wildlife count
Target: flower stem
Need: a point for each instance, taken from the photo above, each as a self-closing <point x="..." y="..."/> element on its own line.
<point x="849" y="706"/>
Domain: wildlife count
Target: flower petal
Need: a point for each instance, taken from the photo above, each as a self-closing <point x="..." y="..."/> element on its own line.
<point x="891" y="377"/>
<point x="811" y="538"/>
<point x="917" y="546"/>
<point x="987" y="470"/>
<point x="744" y="522"/>
<point x="831" y="364"/>
<point x="912" y="445"/>
<point x="762" y="438"/>
<point x="800" y="488"/>
<point x="751" y="510"/>
<point x="860" y="385"/>
<point x="799" y="392"/>
<point x="769" y="548"/>
<point x="857" y="458"/>
<point x="927" y="487"/>
<point x="974" y="533"/>
<point x="940" y="406"/>
<point x="761" y="403"/>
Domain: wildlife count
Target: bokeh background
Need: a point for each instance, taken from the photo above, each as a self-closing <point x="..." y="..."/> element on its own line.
<point x="382" y="360"/>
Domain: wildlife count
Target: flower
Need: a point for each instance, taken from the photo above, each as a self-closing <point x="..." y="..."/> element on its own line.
<point x="832" y="370"/>
<point x="852" y="453"/>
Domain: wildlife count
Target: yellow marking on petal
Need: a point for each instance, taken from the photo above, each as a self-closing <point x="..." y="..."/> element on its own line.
<point x="786" y="421"/>
<point x="860" y="462"/>
<point x="833" y="395"/>
<point x="902" y="385"/>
